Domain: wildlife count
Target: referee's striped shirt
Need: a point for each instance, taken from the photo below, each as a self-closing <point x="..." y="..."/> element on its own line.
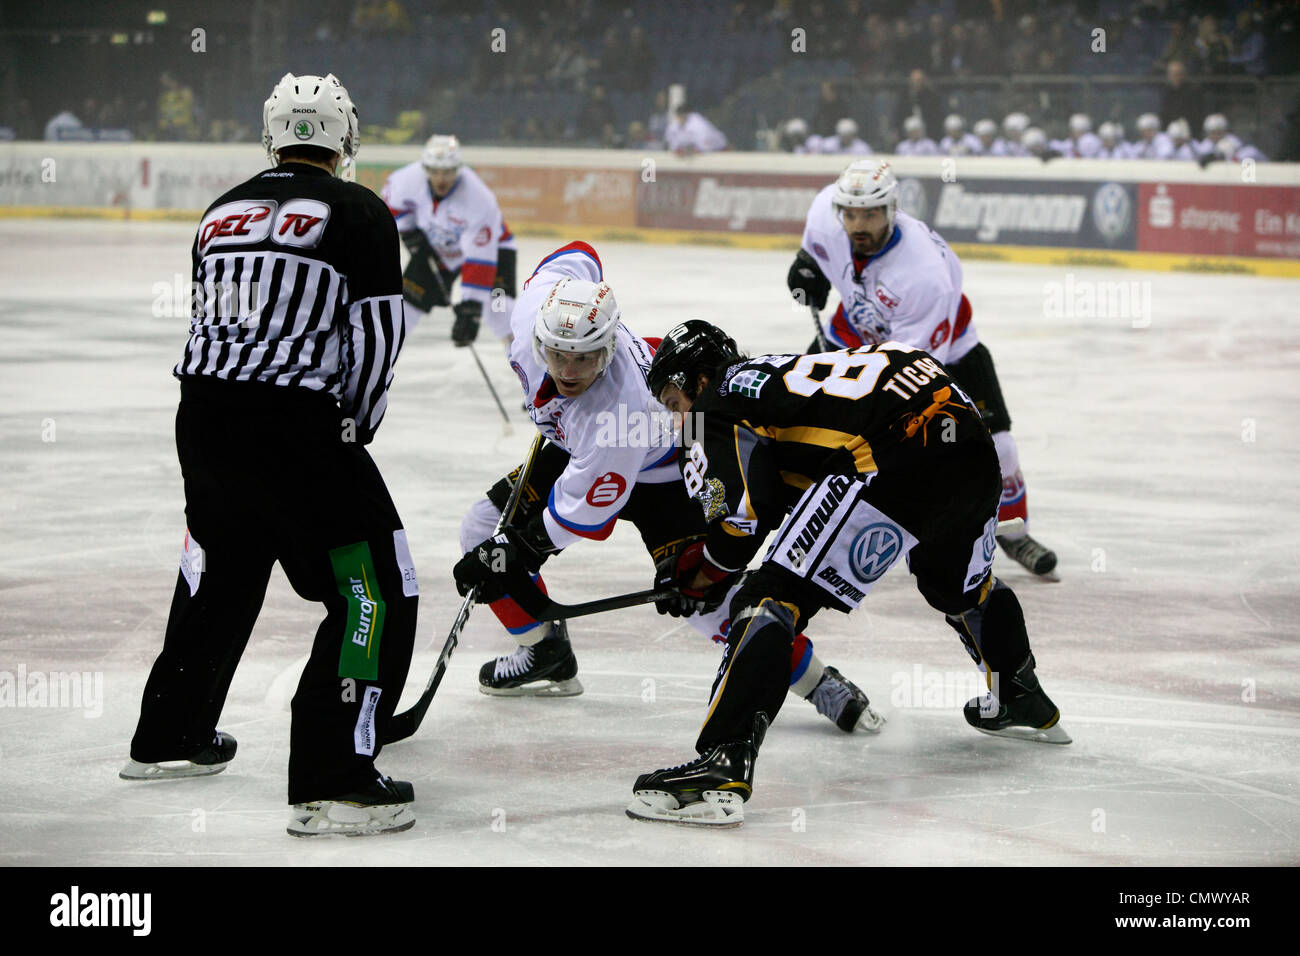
<point x="297" y="282"/>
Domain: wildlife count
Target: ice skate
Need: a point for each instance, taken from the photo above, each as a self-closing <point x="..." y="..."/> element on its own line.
<point x="1025" y="712"/>
<point x="709" y="791"/>
<point x="1029" y="553"/>
<point x="545" y="669"/>
<point x="211" y="759"/>
<point x="844" y="703"/>
<point x="382" y="807"/>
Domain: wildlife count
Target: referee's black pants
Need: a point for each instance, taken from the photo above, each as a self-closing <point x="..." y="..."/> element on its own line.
<point x="269" y="476"/>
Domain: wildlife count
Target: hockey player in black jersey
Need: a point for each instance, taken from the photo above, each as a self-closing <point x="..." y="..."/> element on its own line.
<point x="284" y="380"/>
<point x="859" y="458"/>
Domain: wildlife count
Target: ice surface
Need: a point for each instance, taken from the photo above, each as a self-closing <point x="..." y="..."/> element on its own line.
<point x="1162" y="466"/>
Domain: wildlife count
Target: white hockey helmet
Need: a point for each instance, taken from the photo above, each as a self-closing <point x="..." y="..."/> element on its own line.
<point x="846" y="129"/>
<point x="1179" y="129"/>
<point x="1014" y="124"/>
<point x="986" y="129"/>
<point x="311" y="111"/>
<point x="1034" y="139"/>
<point x="577" y="316"/>
<point x="954" y="124"/>
<point x="914" y="124"/>
<point x="865" y="184"/>
<point x="1215" y="123"/>
<point x="1110" y="133"/>
<point x="1080" y="123"/>
<point x="796" y="128"/>
<point x="1227" y="146"/>
<point x="441" y="152"/>
<point x="1148" y="122"/>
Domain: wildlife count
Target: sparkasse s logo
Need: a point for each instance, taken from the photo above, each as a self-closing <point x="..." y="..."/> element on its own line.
<point x="606" y="489"/>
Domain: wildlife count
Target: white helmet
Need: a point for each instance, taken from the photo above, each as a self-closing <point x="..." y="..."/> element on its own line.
<point x="1110" y="132"/>
<point x="1227" y="146"/>
<point x="311" y="111"/>
<point x="1080" y="123"/>
<point x="1148" y="121"/>
<point x="577" y="316"/>
<point x="914" y="124"/>
<point x="1014" y="124"/>
<point x="796" y="128"/>
<point x="986" y="128"/>
<point x="1179" y="129"/>
<point x="954" y="124"/>
<point x="1034" y="139"/>
<point x="846" y="128"/>
<point x="865" y="184"/>
<point x="1215" y="123"/>
<point x="441" y="152"/>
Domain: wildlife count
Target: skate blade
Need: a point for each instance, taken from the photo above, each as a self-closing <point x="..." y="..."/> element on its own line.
<point x="716" y="809"/>
<point x="331" y="818"/>
<point x="564" y="688"/>
<point x="169" y="770"/>
<point x="1054" y="734"/>
<point x="870" y="722"/>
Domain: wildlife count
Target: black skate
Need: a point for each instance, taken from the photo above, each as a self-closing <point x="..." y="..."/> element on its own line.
<point x="708" y="791"/>
<point x="1025" y="712"/>
<point x="382" y="807"/>
<point x="211" y="759"/>
<point x="838" y="698"/>
<point x="545" y="669"/>
<point x="1029" y="553"/>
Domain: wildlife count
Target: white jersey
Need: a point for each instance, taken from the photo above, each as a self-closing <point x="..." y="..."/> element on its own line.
<point x="1085" y="147"/>
<point x="695" y="132"/>
<point x="967" y="144"/>
<point x="616" y="434"/>
<point x="917" y="147"/>
<point x="909" y="292"/>
<point x="465" y="227"/>
<point x="1160" y="146"/>
<point x="833" y="144"/>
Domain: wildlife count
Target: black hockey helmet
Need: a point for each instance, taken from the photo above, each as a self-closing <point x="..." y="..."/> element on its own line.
<point x="692" y="348"/>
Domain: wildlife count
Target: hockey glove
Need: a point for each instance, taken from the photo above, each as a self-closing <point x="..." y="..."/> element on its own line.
<point x="469" y="312"/>
<point x="678" y="572"/>
<point x="501" y="563"/>
<point x="807" y="283"/>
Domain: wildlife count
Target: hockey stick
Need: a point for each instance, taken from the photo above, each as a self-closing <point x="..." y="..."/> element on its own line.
<point x="817" y="324"/>
<point x="403" y="725"/>
<point x="540" y="606"/>
<point x="446" y="297"/>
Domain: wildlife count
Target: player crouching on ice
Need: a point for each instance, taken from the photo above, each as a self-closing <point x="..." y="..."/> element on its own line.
<point x="881" y="454"/>
<point x="451" y="224"/>
<point x="898" y="281"/>
<point x="579" y="363"/>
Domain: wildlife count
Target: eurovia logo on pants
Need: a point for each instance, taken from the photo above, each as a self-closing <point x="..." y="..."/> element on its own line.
<point x="357" y="581"/>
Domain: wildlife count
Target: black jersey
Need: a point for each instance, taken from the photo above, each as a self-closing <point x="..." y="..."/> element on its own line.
<point x="767" y="428"/>
<point x="297" y="282"/>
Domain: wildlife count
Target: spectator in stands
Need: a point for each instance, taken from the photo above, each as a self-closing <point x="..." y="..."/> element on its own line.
<point x="638" y="61"/>
<point x="875" y="48"/>
<point x="830" y="107"/>
<point x="1181" y="46"/>
<point x="689" y="132"/>
<point x="983" y="56"/>
<point x="1180" y="100"/>
<point x="1022" y="53"/>
<point x="1211" y="48"/>
<point x="380" y="17"/>
<point x="1247" y="46"/>
<point x="908" y="44"/>
<point x="176" y="120"/>
<point x="919" y="100"/>
<point x="938" y="50"/>
<point x="638" y="137"/>
<point x="659" y="119"/>
<point x="594" y="115"/>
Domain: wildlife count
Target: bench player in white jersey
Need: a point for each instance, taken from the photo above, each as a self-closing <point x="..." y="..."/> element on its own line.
<point x="899" y="281"/>
<point x="580" y="368"/>
<point x="450" y="222"/>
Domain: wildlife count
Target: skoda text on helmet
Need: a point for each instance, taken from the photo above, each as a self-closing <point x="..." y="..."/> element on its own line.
<point x="441" y="152"/>
<point x="577" y="317"/>
<point x="311" y="111"/>
<point x="865" y="184"/>
<point x="689" y="350"/>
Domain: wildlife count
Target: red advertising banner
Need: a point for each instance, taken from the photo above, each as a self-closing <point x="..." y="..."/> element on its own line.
<point x="1258" y="221"/>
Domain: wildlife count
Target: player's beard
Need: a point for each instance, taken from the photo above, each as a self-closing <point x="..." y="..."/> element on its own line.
<point x="865" y="244"/>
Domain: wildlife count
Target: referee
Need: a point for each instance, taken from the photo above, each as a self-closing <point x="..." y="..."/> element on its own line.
<point x="296" y="327"/>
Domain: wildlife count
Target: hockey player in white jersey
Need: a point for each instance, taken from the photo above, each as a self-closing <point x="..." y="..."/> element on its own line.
<point x="583" y="372"/>
<point x="451" y="224"/>
<point x="956" y="141"/>
<point x="898" y="280"/>
<point x="1151" y="142"/>
<point x="915" y="142"/>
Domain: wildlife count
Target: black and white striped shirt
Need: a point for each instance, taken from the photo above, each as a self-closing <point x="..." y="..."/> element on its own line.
<point x="297" y="282"/>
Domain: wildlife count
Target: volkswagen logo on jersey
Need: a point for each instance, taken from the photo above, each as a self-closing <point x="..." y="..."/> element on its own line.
<point x="874" y="549"/>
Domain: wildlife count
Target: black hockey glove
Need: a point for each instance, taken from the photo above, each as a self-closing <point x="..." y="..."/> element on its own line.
<point x="502" y="563"/>
<point x="806" y="281"/>
<point x="469" y="312"/>
<point x="676" y="573"/>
